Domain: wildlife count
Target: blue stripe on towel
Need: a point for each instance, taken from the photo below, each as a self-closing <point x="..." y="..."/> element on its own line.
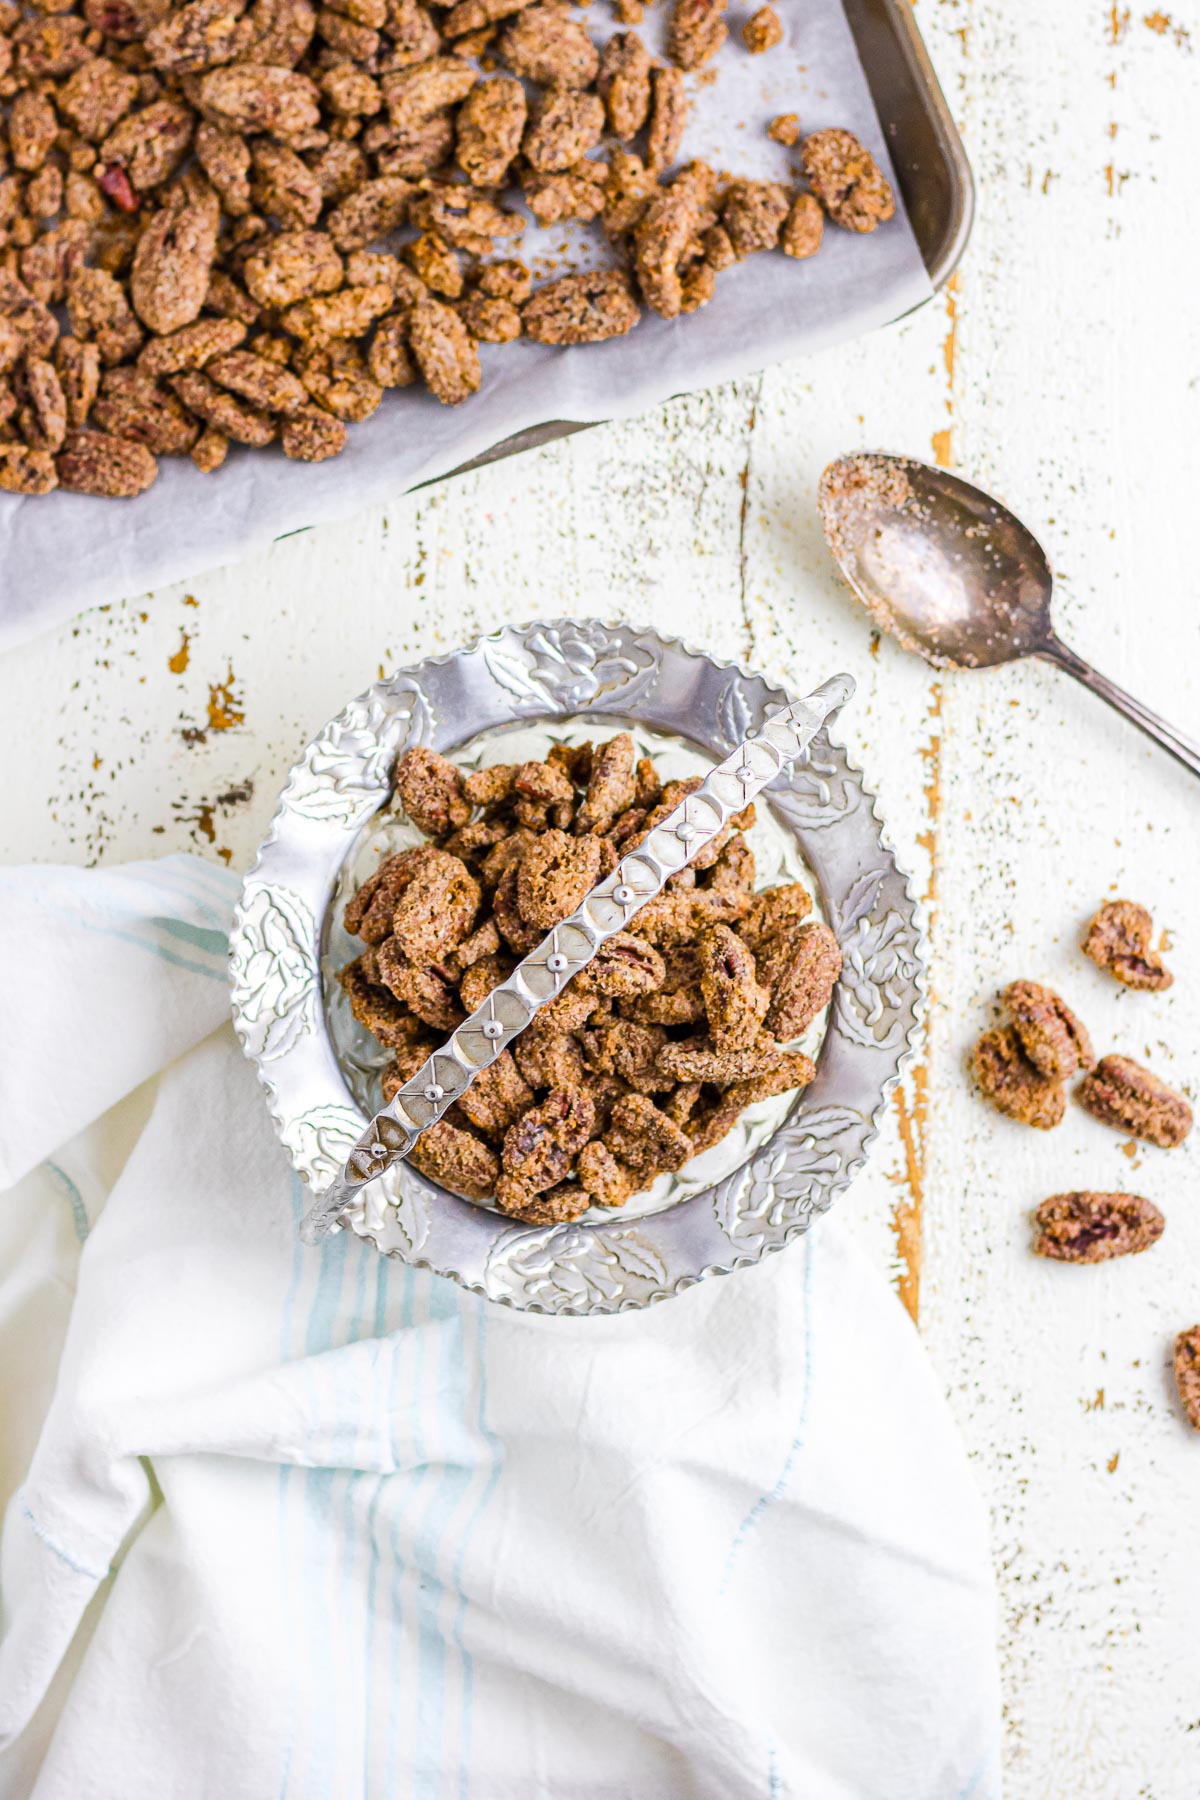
<point x="496" y="1449"/>
<point x="768" y="1499"/>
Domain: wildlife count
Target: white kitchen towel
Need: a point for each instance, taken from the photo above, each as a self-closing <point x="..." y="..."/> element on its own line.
<point x="291" y="1522"/>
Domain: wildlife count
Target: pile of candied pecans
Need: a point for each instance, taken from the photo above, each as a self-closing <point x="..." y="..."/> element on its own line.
<point x="198" y="193"/>
<point x="1023" y="1068"/>
<point x="653" y="1051"/>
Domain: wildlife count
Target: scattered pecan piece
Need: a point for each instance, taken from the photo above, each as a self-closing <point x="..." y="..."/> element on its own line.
<point x="133" y="406"/>
<point x="92" y="462"/>
<point x="1051" y="1036"/>
<point x="1120" y="1093"/>
<point x="457" y="1160"/>
<point x="847" y="180"/>
<point x="762" y="31"/>
<point x="488" y="130"/>
<point x="1118" y="941"/>
<point x="785" y="129"/>
<point x="1092" y="1227"/>
<point x="544" y="44"/>
<point x="803" y="228"/>
<point x="444" y="352"/>
<point x="696" y="32"/>
<point x="623" y="84"/>
<point x="668" y="116"/>
<point x="1009" y="1080"/>
<point x="430" y="790"/>
<point x="1187" y="1374"/>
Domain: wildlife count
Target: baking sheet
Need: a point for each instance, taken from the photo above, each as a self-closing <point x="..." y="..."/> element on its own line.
<point x="64" y="552"/>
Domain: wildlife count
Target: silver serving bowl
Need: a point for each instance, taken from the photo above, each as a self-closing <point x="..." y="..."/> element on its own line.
<point x="511" y="695"/>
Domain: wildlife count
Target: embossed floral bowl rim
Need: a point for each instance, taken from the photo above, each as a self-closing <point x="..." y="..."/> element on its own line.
<point x="561" y="669"/>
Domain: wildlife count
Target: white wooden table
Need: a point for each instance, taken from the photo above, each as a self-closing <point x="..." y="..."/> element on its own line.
<point x="1063" y="371"/>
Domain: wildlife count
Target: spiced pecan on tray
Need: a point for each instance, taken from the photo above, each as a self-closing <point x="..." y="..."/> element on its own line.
<point x="653" y="1051"/>
<point x="229" y="223"/>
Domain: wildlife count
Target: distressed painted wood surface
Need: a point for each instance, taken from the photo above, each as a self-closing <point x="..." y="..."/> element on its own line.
<point x="1063" y="371"/>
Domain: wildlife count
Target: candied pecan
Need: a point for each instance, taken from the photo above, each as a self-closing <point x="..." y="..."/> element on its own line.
<point x="554" y="877"/>
<point x="424" y="89"/>
<point x="191" y="346"/>
<point x="430" y="790"/>
<point x="733" y="1000"/>
<point x="753" y="213"/>
<point x="545" y="44"/>
<point x="644" y="1138"/>
<point x="284" y="186"/>
<point x="50" y="47"/>
<point x="624" y="967"/>
<point x="78" y="366"/>
<point x="466" y="218"/>
<point x="173" y="262"/>
<point x="375" y="1006"/>
<point x="564" y="124"/>
<point x="662" y="241"/>
<point x="43" y="414"/>
<point x="404" y="1066"/>
<point x="628" y="189"/>
<point x="803" y="228"/>
<point x="623" y="83"/>
<point x="482" y="976"/>
<point x="490" y="321"/>
<point x="209" y="450"/>
<point x="388" y="360"/>
<point x="846" y="180"/>
<point x="48" y="264"/>
<point x="414" y="36"/>
<point x="369" y="911"/>
<point x="668" y="116"/>
<point x="148" y="146"/>
<point x="601" y="1176"/>
<point x="257" y="379"/>
<point x="708" y="1124"/>
<point x="1091" y="1227"/>
<point x="475" y="15"/>
<point x="347" y="314"/>
<point x="1118" y="941"/>
<point x="521" y="936"/>
<point x="696" y="32"/>
<point x="125" y="20"/>
<point x="347" y="37"/>
<point x="499" y="860"/>
<point x="133" y="406"/>
<point x="483" y="941"/>
<point x="373" y="268"/>
<point x="98" y="310"/>
<point x="412" y="150"/>
<point x="339" y="169"/>
<point x="32" y="128"/>
<point x="497" y="1097"/>
<point x="97" y="95"/>
<point x="276" y="32"/>
<point x="26" y="471"/>
<point x="679" y="1000"/>
<point x="436" y="909"/>
<point x="92" y="462"/>
<point x="488" y="130"/>
<point x="291" y="266"/>
<point x="552" y="1207"/>
<point x="456" y="1160"/>
<point x="700" y="1059"/>
<point x="540" y="1147"/>
<point x="1187" y="1374"/>
<point x="220" y="410"/>
<point x="772" y="916"/>
<point x="336" y="376"/>
<point x="196" y="36"/>
<point x="225" y="297"/>
<point x="732" y="869"/>
<point x="444" y="351"/>
<point x="807" y="974"/>
<point x="1051" y="1036"/>
<point x="612" y="784"/>
<point x="436" y="265"/>
<point x="762" y="31"/>
<point x="254" y="97"/>
<point x="1120" y="1093"/>
<point x="350" y="91"/>
<point x="370" y="212"/>
<point x="43" y="196"/>
<point x="785" y="129"/>
<point x="625" y="1048"/>
<point x="427" y="990"/>
<point x="1009" y="1080"/>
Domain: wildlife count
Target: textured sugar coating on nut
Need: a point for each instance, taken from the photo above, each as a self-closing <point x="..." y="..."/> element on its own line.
<point x="1009" y="1080"/>
<point x="1187" y="1374"/>
<point x="497" y="1097"/>
<point x="191" y="347"/>
<point x="847" y="180"/>
<point x="444" y="352"/>
<point x="555" y="876"/>
<point x="762" y="31"/>
<point x="612" y="785"/>
<point x="430" y="790"/>
<point x="26" y="471"/>
<point x="1118" y="941"/>
<point x="426" y="989"/>
<point x="259" y="98"/>
<point x="733" y="1000"/>
<point x="624" y="967"/>
<point x="456" y="1160"/>
<point x="92" y="462"/>
<point x="436" y="909"/>
<point x="668" y="117"/>
<point x="804" y="977"/>
<point x="375" y="1006"/>
<point x="369" y="912"/>
<point x="541" y="1146"/>
<point x="1121" y="1093"/>
<point x="803" y="228"/>
<point x="262" y="382"/>
<point x="132" y="405"/>
<point x="773" y="914"/>
<point x="544" y="44"/>
<point x="645" y="1139"/>
<point x="628" y="189"/>
<point x="753" y="214"/>
<point x="173" y="264"/>
<point x="785" y="129"/>
<point x="696" y="32"/>
<point x="602" y="1176"/>
<point x="563" y="126"/>
<point x="663" y="240"/>
<point x="417" y="93"/>
<point x="488" y="129"/>
<point x="623" y="83"/>
<point x="581" y="309"/>
<point x="1095" y="1227"/>
<point x="576" y="193"/>
<point x="1051" y="1036"/>
<point x="221" y="410"/>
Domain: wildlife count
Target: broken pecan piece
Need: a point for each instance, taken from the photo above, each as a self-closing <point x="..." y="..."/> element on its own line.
<point x="847" y="180"/>
<point x="1118" y="941"/>
<point x="1009" y="1080"/>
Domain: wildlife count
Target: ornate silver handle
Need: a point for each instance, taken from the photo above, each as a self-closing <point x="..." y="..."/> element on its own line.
<point x="1183" y="749"/>
<point x="511" y="1006"/>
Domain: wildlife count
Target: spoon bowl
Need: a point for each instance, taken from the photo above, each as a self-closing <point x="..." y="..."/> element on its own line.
<point x="955" y="576"/>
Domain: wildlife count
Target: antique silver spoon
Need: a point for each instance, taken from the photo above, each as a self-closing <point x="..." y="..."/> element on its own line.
<point x="953" y="575"/>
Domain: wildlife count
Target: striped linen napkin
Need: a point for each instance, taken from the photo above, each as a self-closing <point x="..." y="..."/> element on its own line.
<point x="313" y="1523"/>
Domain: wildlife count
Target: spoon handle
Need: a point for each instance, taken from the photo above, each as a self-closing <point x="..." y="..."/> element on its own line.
<point x="1183" y="749"/>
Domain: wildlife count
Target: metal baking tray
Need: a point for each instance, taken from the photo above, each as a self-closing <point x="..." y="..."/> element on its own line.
<point x="930" y="162"/>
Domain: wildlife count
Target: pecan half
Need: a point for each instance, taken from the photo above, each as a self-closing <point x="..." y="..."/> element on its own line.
<point x="1092" y="1227"/>
<point x="1120" y="1093"/>
<point x="1118" y="941"/>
